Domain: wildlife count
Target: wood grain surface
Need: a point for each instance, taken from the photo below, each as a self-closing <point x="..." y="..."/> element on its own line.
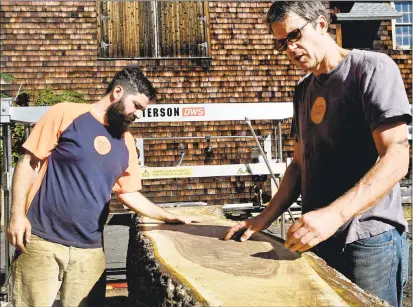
<point x="258" y="272"/>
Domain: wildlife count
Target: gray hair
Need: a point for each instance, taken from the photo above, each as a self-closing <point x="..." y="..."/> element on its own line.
<point x="309" y="10"/>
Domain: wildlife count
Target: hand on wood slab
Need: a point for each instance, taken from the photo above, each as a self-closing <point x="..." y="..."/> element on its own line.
<point x="179" y="219"/>
<point x="312" y="228"/>
<point x="245" y="229"/>
<point x="143" y="206"/>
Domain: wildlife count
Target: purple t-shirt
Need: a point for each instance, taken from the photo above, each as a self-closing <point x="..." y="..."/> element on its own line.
<point x="334" y="117"/>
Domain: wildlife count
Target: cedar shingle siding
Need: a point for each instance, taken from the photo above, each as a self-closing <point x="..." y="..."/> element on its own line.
<point x="56" y="44"/>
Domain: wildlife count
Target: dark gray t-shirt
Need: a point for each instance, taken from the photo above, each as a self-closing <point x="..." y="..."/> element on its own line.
<point x="334" y="117"/>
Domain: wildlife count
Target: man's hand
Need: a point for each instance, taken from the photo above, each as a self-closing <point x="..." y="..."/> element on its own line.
<point x="19" y="231"/>
<point x="312" y="228"/>
<point x="247" y="228"/>
<point x="143" y="206"/>
<point x="177" y="219"/>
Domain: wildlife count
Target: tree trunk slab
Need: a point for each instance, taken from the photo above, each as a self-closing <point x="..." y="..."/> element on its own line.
<point x="189" y="265"/>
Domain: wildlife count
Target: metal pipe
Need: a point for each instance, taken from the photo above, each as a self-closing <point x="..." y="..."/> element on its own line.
<point x="266" y="160"/>
<point x="181" y="159"/>
<point x="7" y="199"/>
<point x="7" y="149"/>
<point x="280" y="144"/>
<point x="280" y="153"/>
<point x="283" y="226"/>
<point x="276" y="140"/>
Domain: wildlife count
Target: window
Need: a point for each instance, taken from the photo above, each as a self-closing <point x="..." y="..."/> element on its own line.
<point x="402" y="37"/>
<point x="152" y="29"/>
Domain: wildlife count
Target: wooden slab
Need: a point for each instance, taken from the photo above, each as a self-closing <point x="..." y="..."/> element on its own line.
<point x="189" y="265"/>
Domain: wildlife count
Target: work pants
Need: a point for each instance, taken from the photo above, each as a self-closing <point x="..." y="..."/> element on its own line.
<point x="45" y="267"/>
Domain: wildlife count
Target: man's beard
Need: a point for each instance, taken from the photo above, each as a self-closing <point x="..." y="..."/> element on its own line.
<point x="117" y="120"/>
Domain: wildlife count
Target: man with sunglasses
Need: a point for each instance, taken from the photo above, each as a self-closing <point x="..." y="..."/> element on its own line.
<point x="351" y="150"/>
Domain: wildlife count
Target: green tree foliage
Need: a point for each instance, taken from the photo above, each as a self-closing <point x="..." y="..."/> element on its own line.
<point x="48" y="97"/>
<point x="6" y="77"/>
<point x="39" y="97"/>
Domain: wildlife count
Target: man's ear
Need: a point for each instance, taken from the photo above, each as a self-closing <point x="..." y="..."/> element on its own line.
<point x="322" y="21"/>
<point x="117" y="93"/>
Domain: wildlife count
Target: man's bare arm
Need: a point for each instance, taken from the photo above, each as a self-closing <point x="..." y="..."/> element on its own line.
<point x="393" y="148"/>
<point x="141" y="205"/>
<point x="316" y="226"/>
<point x="19" y="229"/>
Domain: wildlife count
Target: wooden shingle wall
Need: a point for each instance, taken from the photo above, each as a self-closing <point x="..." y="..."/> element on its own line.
<point x="49" y="44"/>
<point x="383" y="43"/>
<point x="54" y="44"/>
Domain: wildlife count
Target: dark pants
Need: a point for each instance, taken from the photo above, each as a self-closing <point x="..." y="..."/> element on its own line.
<point x="378" y="264"/>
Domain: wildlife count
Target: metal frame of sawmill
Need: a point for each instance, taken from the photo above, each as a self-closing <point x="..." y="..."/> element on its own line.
<point x="165" y="113"/>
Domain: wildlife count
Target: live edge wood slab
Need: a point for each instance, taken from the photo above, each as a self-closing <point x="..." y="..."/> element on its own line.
<point x="189" y="265"/>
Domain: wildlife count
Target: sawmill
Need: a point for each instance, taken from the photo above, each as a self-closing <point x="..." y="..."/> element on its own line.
<point x="205" y="153"/>
<point x="190" y="265"/>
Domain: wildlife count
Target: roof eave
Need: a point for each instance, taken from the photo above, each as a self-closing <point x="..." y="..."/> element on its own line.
<point x="347" y="17"/>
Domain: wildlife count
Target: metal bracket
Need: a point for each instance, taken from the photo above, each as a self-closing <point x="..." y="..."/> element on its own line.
<point x="104" y="18"/>
<point x="203" y="45"/>
<point x="104" y="45"/>
<point x="5" y="110"/>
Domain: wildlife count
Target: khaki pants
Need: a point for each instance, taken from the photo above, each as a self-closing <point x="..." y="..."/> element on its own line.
<point x="45" y="268"/>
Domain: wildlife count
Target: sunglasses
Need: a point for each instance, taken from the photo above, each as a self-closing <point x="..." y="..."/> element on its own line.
<point x="292" y="37"/>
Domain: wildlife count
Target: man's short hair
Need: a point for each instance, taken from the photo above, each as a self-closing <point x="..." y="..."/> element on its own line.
<point x="132" y="81"/>
<point x="308" y="10"/>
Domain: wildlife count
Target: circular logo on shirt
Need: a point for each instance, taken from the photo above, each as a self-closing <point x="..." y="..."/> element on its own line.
<point x="318" y="110"/>
<point x="102" y="145"/>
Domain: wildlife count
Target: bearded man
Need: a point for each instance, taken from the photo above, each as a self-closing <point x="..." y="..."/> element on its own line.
<point x="58" y="212"/>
